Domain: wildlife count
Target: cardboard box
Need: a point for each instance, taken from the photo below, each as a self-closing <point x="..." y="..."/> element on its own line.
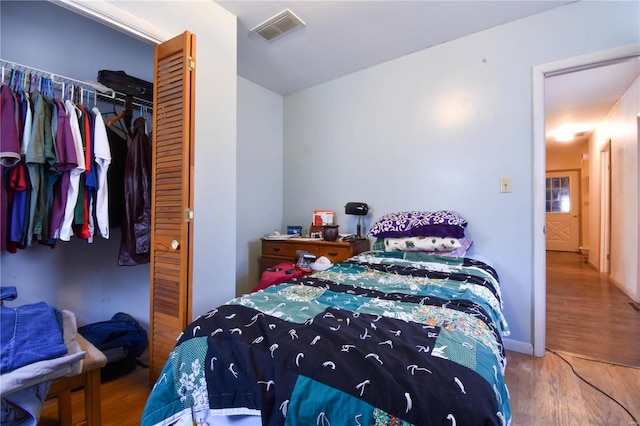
<point x="323" y="217"/>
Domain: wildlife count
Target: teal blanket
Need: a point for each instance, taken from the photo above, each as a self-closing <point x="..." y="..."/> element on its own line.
<point x="383" y="338"/>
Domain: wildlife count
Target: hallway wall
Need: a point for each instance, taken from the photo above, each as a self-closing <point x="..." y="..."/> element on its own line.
<point x="621" y="129"/>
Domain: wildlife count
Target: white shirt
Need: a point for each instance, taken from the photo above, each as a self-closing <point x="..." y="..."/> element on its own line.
<point x="66" y="230"/>
<point x="102" y="153"/>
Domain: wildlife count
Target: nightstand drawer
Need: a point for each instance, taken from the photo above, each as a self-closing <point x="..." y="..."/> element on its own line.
<point x="278" y="248"/>
<point x="335" y="254"/>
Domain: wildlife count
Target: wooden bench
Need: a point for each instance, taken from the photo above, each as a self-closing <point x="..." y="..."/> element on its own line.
<point x="89" y="380"/>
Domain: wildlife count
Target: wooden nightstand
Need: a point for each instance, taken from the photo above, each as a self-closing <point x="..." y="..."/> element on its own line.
<point x="277" y="251"/>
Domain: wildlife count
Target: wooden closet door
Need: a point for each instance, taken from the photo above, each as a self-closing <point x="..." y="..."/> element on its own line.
<point x="172" y="197"/>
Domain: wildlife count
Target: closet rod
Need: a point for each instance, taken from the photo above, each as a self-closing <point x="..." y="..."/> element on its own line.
<point x="96" y="88"/>
<point x="121" y="97"/>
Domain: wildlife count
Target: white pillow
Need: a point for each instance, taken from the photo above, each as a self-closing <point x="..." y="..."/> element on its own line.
<point x="438" y="244"/>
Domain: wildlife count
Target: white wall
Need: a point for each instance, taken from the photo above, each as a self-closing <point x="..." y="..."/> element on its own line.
<point x="438" y="128"/>
<point x="622" y="129"/>
<point x="259" y="169"/>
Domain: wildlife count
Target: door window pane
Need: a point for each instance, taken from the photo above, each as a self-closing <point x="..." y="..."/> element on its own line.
<point x="558" y="195"/>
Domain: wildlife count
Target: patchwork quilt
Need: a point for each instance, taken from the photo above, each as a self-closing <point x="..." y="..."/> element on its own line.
<point x="383" y="338"/>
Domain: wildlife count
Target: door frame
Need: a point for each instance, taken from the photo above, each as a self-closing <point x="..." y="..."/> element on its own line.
<point x="605" y="209"/>
<point x="539" y="74"/>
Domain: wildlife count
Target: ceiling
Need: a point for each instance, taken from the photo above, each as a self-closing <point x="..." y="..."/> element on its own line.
<point x="342" y="37"/>
<point x="579" y="101"/>
<point x="345" y="36"/>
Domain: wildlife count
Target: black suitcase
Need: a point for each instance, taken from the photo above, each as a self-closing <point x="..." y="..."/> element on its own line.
<point x="125" y="84"/>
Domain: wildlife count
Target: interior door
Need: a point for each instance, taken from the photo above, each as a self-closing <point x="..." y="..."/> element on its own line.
<point x="172" y="197"/>
<point x="563" y="211"/>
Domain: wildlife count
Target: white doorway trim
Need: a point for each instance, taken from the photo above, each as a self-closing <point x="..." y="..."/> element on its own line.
<point x="605" y="208"/>
<point x="539" y="164"/>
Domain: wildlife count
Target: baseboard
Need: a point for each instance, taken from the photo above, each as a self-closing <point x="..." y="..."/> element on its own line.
<point x="632" y="294"/>
<point x="517" y="346"/>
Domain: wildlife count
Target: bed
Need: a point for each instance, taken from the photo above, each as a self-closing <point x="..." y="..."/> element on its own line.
<point x="386" y="337"/>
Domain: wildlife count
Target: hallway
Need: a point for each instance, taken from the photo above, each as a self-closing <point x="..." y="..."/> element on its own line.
<point x="587" y="315"/>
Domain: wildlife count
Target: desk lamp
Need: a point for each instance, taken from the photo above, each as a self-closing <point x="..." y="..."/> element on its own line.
<point x="357" y="209"/>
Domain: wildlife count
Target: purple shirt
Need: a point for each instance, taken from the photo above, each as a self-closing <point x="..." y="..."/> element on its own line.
<point x="67" y="161"/>
<point x="9" y="143"/>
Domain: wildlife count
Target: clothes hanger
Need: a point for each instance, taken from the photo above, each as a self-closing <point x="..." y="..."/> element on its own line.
<point x="117" y="118"/>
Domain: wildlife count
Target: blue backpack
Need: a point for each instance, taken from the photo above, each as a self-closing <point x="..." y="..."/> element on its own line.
<point x="121" y="339"/>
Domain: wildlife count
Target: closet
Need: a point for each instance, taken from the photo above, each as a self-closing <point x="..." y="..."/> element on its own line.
<point x="75" y="275"/>
<point x="86" y="279"/>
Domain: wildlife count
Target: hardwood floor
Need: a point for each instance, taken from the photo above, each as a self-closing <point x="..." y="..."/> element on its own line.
<point x="546" y="391"/>
<point x="543" y="391"/>
<point x="593" y="333"/>
<point x="123" y="401"/>
<point x="587" y="315"/>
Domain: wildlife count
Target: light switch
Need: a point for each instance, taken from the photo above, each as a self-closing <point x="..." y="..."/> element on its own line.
<point x="505" y="184"/>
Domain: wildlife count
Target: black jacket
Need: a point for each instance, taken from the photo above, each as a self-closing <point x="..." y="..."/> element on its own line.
<point x="136" y="224"/>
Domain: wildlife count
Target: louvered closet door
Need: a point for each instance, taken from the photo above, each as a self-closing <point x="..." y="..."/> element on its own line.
<point x="172" y="184"/>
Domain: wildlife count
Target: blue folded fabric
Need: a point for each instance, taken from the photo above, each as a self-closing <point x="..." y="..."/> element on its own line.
<point x="28" y="334"/>
<point x="121" y="330"/>
<point x="8" y="293"/>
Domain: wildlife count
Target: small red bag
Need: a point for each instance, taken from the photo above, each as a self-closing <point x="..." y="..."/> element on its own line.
<point x="280" y="273"/>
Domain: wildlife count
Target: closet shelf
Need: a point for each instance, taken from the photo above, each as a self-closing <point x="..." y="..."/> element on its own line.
<point x="100" y="91"/>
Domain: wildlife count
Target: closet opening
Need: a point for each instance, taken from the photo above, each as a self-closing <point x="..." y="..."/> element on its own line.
<point x="77" y="275"/>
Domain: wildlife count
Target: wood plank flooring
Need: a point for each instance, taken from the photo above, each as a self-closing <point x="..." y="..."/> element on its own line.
<point x="122" y="401"/>
<point x="544" y="391"/>
<point x="587" y="315"/>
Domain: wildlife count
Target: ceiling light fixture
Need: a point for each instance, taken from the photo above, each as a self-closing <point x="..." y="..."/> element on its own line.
<point x="564" y="135"/>
<point x="277" y="26"/>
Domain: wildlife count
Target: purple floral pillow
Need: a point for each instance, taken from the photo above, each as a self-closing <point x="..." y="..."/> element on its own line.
<point x="442" y="223"/>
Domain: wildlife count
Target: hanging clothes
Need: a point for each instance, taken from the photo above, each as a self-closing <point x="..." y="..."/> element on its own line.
<point x="58" y="164"/>
<point x="81" y="211"/>
<point x="66" y="162"/>
<point x="53" y="184"/>
<point x="9" y="154"/>
<point x="136" y="227"/>
<point x="9" y="143"/>
<point x="74" y="181"/>
<point x="39" y="148"/>
<point x="102" y="161"/>
<point x="119" y="147"/>
<point x="19" y="188"/>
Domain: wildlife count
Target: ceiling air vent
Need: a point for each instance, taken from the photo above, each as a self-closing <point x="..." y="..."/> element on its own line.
<point x="278" y="25"/>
